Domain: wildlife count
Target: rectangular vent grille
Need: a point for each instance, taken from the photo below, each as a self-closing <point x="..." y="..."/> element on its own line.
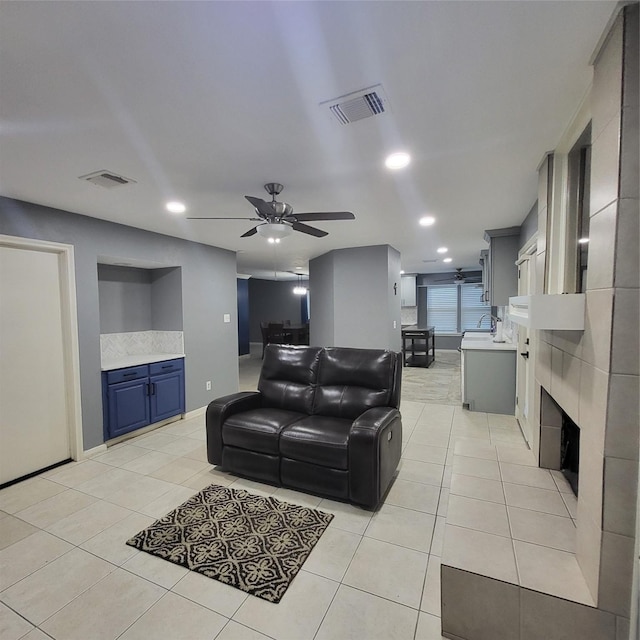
<point x="357" y="105"/>
<point x="107" y="179"/>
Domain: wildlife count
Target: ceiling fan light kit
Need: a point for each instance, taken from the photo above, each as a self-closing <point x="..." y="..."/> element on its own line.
<point x="277" y="219"/>
<point x="274" y="230"/>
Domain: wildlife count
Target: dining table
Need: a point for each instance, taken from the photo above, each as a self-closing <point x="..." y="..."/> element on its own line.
<point x="296" y="333"/>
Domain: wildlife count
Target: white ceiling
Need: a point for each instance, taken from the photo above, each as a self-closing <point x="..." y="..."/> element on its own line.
<point x="207" y="101"/>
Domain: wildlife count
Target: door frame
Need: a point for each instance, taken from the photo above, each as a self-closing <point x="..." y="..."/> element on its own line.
<point x="527" y="253"/>
<point x="71" y="350"/>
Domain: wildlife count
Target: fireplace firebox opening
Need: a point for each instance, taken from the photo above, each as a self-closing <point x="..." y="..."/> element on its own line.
<point x="570" y="451"/>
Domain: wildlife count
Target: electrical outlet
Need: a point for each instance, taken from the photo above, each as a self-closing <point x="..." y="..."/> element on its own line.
<point x="208" y="385"/>
<point x="226" y="317"/>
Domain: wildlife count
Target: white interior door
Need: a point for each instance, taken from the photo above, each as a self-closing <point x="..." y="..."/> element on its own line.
<point x="35" y="408"/>
<point x="525" y="367"/>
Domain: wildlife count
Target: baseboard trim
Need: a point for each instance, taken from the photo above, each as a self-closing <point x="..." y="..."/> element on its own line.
<point x="89" y="453"/>
<point x="195" y="413"/>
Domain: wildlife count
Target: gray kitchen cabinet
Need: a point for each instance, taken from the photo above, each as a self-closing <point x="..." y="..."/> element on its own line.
<point x="408" y="291"/>
<point x="499" y="265"/>
<point x="489" y="380"/>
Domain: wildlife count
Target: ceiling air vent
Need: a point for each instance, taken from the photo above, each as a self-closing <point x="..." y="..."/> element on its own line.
<point x="107" y="179"/>
<point x="357" y="105"/>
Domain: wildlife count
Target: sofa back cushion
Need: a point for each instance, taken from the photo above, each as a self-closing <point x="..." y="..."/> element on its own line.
<point x="288" y="377"/>
<point x="350" y="381"/>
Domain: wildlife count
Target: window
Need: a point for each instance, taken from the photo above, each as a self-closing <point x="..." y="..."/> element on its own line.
<point x="442" y="307"/>
<point x="454" y="308"/>
<point x="472" y="307"/>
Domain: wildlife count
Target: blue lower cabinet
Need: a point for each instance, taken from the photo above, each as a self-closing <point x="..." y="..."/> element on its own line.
<point x="135" y="397"/>
<point x="167" y="395"/>
<point x="128" y="406"/>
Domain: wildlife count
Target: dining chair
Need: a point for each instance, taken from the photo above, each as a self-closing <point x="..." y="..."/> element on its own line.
<point x="275" y="333"/>
<point x="264" y="330"/>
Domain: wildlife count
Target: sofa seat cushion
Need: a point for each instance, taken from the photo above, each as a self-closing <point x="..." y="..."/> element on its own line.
<point x="258" y="429"/>
<point x="319" y="440"/>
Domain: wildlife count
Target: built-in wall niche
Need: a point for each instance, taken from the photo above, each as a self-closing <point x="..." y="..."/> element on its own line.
<point x="139" y="299"/>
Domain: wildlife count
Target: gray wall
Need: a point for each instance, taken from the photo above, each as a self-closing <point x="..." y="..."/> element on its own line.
<point x="322" y="325"/>
<point x="357" y="285"/>
<point x="166" y="299"/>
<point x="125" y="299"/>
<point x="208" y="292"/>
<point x="271" y="300"/>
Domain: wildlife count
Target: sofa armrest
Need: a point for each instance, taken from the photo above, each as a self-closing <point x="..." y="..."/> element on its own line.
<point x="375" y="446"/>
<point x="217" y="413"/>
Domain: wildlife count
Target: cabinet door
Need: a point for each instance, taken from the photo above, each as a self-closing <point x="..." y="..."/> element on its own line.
<point x="128" y="406"/>
<point x="408" y="291"/>
<point x="486" y="275"/>
<point x="167" y="395"/>
<point x="504" y="273"/>
<point x="490" y="381"/>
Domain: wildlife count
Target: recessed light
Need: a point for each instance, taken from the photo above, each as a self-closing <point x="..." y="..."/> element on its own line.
<point x="448" y="260"/>
<point x="175" y="207"/>
<point x="401" y="271"/>
<point x="397" y="160"/>
<point x="427" y="221"/>
<point x="442" y="249"/>
<point x="583" y="240"/>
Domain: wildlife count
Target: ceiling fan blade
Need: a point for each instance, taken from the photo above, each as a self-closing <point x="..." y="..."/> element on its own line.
<point x="263" y="208"/>
<point x="312" y="231"/>
<point x="325" y="215"/>
<point x="217" y="218"/>
<point x="251" y="232"/>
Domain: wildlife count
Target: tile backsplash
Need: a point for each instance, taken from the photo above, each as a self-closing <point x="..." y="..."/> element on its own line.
<point x="409" y="315"/>
<point x="117" y="345"/>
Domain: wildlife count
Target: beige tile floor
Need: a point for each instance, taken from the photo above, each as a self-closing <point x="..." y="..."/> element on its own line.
<point x="66" y="573"/>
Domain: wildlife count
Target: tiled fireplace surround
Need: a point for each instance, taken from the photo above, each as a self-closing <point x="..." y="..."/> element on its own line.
<point x="593" y="376"/>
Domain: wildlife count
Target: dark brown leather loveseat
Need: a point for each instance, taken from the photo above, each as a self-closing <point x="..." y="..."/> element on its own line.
<point x="324" y="420"/>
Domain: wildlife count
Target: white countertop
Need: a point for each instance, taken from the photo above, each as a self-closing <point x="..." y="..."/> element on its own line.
<point x="133" y="361"/>
<point x="484" y="342"/>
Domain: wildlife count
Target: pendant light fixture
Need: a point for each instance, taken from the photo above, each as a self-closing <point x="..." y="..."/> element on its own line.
<point x="300" y="289"/>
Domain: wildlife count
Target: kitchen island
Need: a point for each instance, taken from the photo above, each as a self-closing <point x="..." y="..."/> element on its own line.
<point x="418" y="346"/>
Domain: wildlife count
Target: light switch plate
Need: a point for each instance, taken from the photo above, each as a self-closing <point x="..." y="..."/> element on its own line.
<point x="226" y="317"/>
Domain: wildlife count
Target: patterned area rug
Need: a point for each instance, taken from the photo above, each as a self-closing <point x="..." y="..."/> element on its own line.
<point x="254" y="543"/>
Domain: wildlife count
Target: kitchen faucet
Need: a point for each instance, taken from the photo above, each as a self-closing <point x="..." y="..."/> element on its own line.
<point x="494" y="319"/>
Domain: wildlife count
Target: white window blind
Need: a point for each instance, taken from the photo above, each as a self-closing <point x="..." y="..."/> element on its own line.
<point x="471" y="306"/>
<point x="442" y="307"/>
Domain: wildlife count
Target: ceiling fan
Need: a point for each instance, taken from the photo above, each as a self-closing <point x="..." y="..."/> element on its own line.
<point x="277" y="219"/>
<point x="460" y="278"/>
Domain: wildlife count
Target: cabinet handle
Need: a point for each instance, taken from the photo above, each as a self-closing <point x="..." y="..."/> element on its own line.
<point x="127" y="375"/>
<point x="153" y="388"/>
<point x="148" y="389"/>
<point x="167" y="366"/>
